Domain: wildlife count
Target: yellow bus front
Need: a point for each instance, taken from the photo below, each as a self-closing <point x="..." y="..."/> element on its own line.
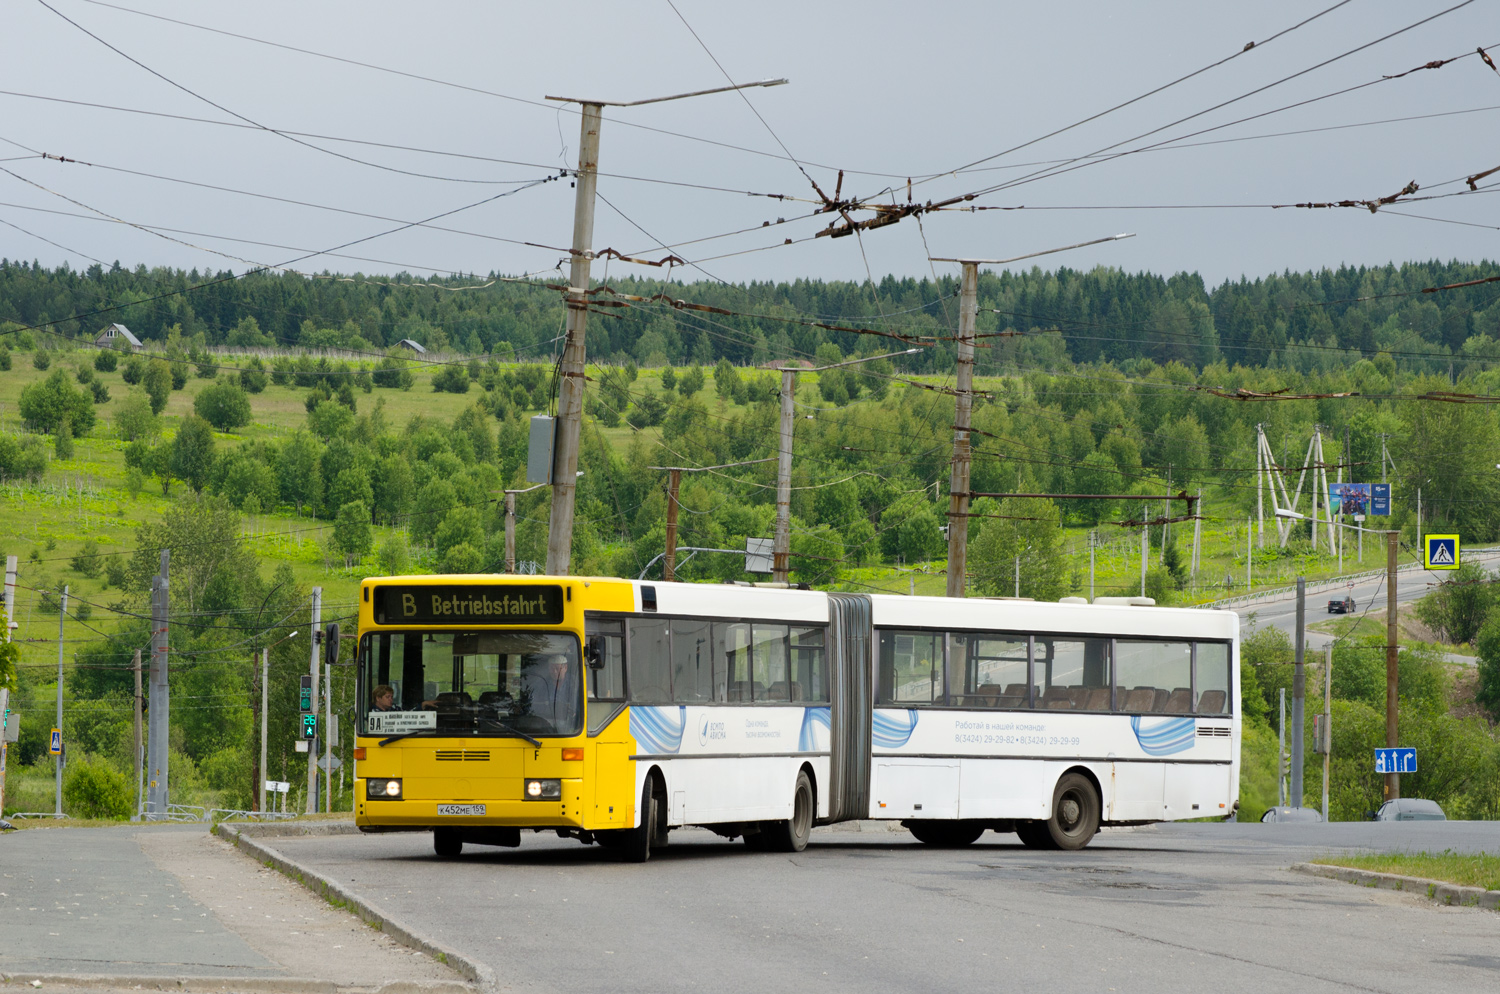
<point x="473" y="717"/>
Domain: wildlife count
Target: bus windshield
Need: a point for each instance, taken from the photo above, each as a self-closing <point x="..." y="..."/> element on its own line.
<point x="470" y="683"/>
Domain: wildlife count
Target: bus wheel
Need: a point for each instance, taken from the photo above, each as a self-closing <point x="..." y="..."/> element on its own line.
<point x="1075" y="812"/>
<point x="948" y="834"/>
<point x="635" y="845"/>
<point x="448" y="843"/>
<point x="791" y="835"/>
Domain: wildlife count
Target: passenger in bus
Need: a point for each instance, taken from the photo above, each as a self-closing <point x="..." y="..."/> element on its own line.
<point x="385" y="698"/>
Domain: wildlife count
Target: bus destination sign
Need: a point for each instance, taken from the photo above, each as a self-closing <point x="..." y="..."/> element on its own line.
<point x="537" y="604"/>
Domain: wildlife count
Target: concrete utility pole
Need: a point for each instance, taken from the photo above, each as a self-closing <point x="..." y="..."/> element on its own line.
<point x="328" y="736"/>
<point x="1091" y="567"/>
<point x="510" y="532"/>
<point x="312" y="744"/>
<point x="10" y="600"/>
<point x="1392" y="780"/>
<point x="571" y="369"/>
<point x="158" y="724"/>
<point x="265" y="701"/>
<point x="1145" y="547"/>
<point x="674" y="480"/>
<point x="1299" y="693"/>
<point x="1327" y="742"/>
<point x="782" y="545"/>
<point x="135" y="756"/>
<point x="958" y="497"/>
<point x="62" y="615"/>
<point x="1249" y="556"/>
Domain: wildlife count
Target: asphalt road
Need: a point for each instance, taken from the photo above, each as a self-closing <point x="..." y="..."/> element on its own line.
<point x="1174" y="908"/>
<point x="1369" y="599"/>
<point x="130" y="903"/>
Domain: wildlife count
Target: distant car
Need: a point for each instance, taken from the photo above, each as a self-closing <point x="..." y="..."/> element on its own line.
<point x="1408" y="809"/>
<point x="1283" y="814"/>
<point x="1344" y="605"/>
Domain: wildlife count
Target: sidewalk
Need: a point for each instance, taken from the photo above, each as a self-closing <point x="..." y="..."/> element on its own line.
<point x="116" y="907"/>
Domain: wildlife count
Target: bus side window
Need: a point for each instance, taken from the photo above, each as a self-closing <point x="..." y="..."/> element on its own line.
<point x="1072" y="674"/>
<point x="650" y="661"/>
<point x="607" y="683"/>
<point x="735" y="647"/>
<point x="692" y="662"/>
<point x="768" y="670"/>
<point x="1213" y="678"/>
<point x="809" y="669"/>
<point x="1153" y="676"/>
<point x="911" y="668"/>
<point x="987" y="671"/>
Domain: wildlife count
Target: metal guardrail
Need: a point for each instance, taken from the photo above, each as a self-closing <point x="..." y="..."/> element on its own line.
<point x="36" y="814"/>
<point x="1324" y="584"/>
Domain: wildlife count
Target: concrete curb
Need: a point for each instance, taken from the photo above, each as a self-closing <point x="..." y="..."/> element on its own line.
<point x="1433" y="890"/>
<point x="335" y="893"/>
<point x="289" y="829"/>
<point x="238" y="985"/>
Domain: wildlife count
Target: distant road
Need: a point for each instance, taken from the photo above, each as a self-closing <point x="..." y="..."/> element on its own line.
<point x="1411" y="585"/>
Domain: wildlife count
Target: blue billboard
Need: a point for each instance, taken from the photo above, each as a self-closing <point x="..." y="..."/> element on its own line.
<point x="1373" y="499"/>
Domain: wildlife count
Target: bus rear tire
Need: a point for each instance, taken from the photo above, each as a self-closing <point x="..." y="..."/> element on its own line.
<point x="791" y="835"/>
<point x="448" y="843"/>
<point x="1075" y="812"/>
<point x="945" y="834"/>
<point x="635" y="844"/>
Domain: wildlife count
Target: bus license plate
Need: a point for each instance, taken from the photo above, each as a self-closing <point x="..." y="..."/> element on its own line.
<point x="460" y="809"/>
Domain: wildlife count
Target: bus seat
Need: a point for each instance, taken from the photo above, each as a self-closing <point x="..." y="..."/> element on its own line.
<point x="1160" y="703"/>
<point x="1015" y="690"/>
<point x="796" y="692"/>
<point x="453" y="699"/>
<point x="1211" y="702"/>
<point x="1097" y="699"/>
<point x="776" y="692"/>
<point x="1057" y="699"/>
<point x="1011" y="700"/>
<point x="738" y="690"/>
<point x="1180" y="701"/>
<point x="1139" y="699"/>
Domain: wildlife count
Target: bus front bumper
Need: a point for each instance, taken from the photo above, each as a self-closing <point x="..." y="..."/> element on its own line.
<point x="490" y="811"/>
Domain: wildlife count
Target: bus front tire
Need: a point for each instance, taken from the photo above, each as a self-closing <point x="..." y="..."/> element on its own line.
<point x="946" y="834"/>
<point x="791" y="835"/>
<point x="1075" y="813"/>
<point x="635" y="844"/>
<point x="448" y="843"/>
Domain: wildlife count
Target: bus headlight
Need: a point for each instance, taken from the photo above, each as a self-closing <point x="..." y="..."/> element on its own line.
<point x="382" y="790"/>
<point x="544" y="790"/>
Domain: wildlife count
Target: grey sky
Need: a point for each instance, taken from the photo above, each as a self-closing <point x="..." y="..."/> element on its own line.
<point x="898" y="89"/>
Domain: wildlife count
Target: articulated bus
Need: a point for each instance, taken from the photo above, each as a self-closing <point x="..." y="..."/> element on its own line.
<point x="613" y="711"/>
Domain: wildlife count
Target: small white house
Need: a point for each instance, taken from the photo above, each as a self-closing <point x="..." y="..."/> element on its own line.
<point x="111" y="336"/>
<point x="407" y="343"/>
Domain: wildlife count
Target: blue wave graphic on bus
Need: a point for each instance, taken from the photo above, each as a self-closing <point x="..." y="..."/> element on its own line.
<point x="658" y="730"/>
<point x="1166" y="736"/>
<point x="807" y="741"/>
<point x="891" y="731"/>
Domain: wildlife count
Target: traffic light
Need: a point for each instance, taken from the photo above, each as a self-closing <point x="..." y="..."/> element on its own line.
<point x="309" y="726"/>
<point x="305" y="696"/>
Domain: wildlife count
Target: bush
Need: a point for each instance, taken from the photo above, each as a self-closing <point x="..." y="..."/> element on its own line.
<point x="648" y="411"/>
<point x="62" y="440"/>
<point x="116" y="570"/>
<point x="47" y="404"/>
<point x="157" y="379"/>
<point x="22" y="458"/>
<point x="393" y="374"/>
<point x="451" y="379"/>
<point x="41" y="358"/>
<point x="253" y="376"/>
<point x="1488" y="645"/>
<point x="5" y="360"/>
<point x="93" y="790"/>
<point x="1457" y="609"/>
<point x="135" y="369"/>
<point x="84" y="375"/>
<point x="87" y="562"/>
<point x="100" y="392"/>
<point x="105" y="360"/>
<point x="223" y="405"/>
<point x="135" y="419"/>
<point x="462" y="558"/>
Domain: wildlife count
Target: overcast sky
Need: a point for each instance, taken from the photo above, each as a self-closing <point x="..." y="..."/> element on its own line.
<point x="885" y="90"/>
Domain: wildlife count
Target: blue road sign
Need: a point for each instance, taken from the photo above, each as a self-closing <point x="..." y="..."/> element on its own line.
<point x="1442" y="551"/>
<point x="55" y="748"/>
<point x="1380" y="500"/>
<point x="1400" y="760"/>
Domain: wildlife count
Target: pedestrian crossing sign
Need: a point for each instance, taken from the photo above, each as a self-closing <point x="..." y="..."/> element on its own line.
<point x="1442" y="552"/>
<point x="55" y="745"/>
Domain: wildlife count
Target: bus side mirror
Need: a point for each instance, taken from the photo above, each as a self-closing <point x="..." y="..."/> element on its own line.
<point x="593" y="652"/>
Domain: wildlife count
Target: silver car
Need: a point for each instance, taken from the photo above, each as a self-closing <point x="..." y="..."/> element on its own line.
<point x="1409" y="809"/>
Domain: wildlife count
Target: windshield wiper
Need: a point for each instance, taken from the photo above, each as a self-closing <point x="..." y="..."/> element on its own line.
<point x="402" y="735"/>
<point x="514" y="731"/>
